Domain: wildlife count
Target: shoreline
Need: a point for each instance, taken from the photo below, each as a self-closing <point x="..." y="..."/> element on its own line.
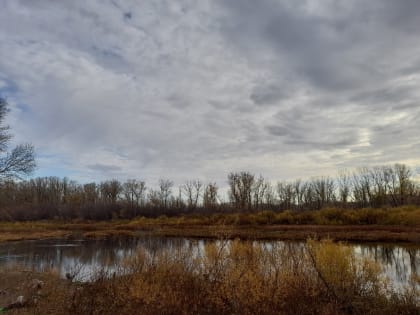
<point x="103" y="230"/>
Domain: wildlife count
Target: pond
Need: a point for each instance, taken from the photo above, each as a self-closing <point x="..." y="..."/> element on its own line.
<point x="85" y="257"/>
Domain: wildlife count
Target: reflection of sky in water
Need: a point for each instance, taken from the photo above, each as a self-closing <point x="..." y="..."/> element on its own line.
<point x="398" y="262"/>
<point x="83" y="257"/>
<point x="86" y="257"/>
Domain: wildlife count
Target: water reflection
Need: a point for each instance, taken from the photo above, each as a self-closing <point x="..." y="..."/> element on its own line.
<point x="81" y="256"/>
<point x="399" y="262"/>
<point x="85" y="257"/>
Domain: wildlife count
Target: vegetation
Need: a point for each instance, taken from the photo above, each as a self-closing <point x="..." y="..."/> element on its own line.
<point x="371" y="188"/>
<point x="321" y="277"/>
<point x="394" y="224"/>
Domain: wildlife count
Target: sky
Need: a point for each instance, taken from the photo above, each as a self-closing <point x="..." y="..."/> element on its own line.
<point x="199" y="88"/>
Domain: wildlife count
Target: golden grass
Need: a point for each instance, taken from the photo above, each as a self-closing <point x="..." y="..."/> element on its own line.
<point x="239" y="277"/>
<point x="248" y="278"/>
<point x="393" y="224"/>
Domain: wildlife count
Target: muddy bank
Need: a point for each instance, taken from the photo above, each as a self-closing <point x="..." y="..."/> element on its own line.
<point x="30" y="292"/>
<point x="101" y="230"/>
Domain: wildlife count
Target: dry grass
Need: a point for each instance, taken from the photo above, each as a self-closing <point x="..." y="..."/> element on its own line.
<point x="394" y="224"/>
<point x="237" y="277"/>
<point x="38" y="300"/>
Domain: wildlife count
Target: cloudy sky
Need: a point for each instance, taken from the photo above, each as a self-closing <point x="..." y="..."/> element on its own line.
<point x="195" y="89"/>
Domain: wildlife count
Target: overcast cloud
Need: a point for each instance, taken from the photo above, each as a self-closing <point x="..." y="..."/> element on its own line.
<point x="186" y="89"/>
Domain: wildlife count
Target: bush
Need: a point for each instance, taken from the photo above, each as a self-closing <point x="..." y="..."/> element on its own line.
<point x="285" y="217"/>
<point x="246" y="278"/>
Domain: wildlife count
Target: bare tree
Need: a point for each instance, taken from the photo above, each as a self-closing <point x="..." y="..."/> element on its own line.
<point x="110" y="191"/>
<point x="154" y="198"/>
<point x="269" y="196"/>
<point x="344" y="187"/>
<point x="165" y="191"/>
<point x="192" y="191"/>
<point x="402" y="187"/>
<point x="90" y="193"/>
<point x="241" y="189"/>
<point x="20" y="161"/>
<point x="380" y="178"/>
<point x="178" y="203"/>
<point x="210" y="196"/>
<point x="134" y="191"/>
<point x="299" y="190"/>
<point x="285" y="193"/>
<point x="361" y="183"/>
<point x="324" y="190"/>
<point x="259" y="190"/>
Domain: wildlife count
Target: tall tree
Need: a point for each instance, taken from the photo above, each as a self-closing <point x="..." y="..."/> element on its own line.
<point x="210" y="196"/>
<point x="165" y="191"/>
<point x="240" y="192"/>
<point x="192" y="190"/>
<point x="18" y="162"/>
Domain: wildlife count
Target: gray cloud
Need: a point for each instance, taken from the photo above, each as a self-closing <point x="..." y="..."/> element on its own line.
<point x="269" y="94"/>
<point x="196" y="89"/>
<point x="278" y="130"/>
<point x="104" y="168"/>
<point x="330" y="45"/>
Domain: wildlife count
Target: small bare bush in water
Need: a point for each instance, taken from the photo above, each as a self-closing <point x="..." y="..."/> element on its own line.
<point x="238" y="277"/>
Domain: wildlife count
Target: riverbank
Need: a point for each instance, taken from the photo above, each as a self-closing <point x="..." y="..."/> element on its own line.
<point x="359" y="225"/>
<point x="30" y="292"/>
<point x="273" y="232"/>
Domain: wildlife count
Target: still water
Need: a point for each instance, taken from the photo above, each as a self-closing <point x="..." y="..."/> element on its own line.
<point x="85" y="257"/>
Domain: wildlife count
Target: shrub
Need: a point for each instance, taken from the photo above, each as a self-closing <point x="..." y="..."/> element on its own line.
<point x="246" y="278"/>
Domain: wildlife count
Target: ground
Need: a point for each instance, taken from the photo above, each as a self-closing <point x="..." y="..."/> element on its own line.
<point x="357" y="233"/>
<point x="36" y="289"/>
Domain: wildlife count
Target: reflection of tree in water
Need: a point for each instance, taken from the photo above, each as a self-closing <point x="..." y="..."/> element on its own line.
<point x="399" y="262"/>
<point x="112" y="252"/>
<point x="65" y="254"/>
<point x="414" y="257"/>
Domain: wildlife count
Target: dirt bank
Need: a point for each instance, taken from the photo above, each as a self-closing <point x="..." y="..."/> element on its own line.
<point x="356" y="233"/>
<point x="29" y="292"/>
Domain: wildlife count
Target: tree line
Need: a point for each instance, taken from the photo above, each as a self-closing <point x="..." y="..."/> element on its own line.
<point x="61" y="198"/>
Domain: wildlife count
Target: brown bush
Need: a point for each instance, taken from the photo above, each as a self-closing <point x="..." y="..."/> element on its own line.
<point x="247" y="278"/>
